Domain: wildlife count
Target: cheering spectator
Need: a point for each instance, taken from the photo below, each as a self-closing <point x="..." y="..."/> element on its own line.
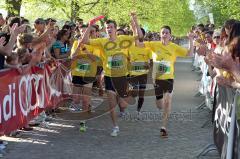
<point x="209" y="40"/>
<point x="25" y="41"/>
<point x="13" y="61"/>
<point x="23" y="55"/>
<point x="60" y="48"/>
<point x="228" y="25"/>
<point x="79" y="22"/>
<point x="39" y="26"/>
<point x="8" y="42"/>
<point x="229" y="61"/>
<point x="2" y="21"/>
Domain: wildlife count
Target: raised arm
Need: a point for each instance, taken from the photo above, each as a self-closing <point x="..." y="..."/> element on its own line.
<point x="136" y="25"/>
<point x="85" y="37"/>
<point x="134" y="32"/>
<point x="235" y="69"/>
<point x="44" y="35"/>
<point x="15" y="30"/>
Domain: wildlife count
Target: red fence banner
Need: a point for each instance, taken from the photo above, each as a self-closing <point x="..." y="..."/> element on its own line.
<point x="23" y="97"/>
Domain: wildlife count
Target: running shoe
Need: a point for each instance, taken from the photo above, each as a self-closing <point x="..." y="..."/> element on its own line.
<point x="115" y="131"/>
<point x="122" y="114"/>
<point x="90" y="110"/>
<point x="139" y="115"/>
<point x="163" y="133"/>
<point x="2" y="146"/>
<point x="74" y="108"/>
<point x="3" y="142"/>
<point x="82" y="127"/>
<point x="27" y="128"/>
<point x="15" y="134"/>
<point x="44" y="124"/>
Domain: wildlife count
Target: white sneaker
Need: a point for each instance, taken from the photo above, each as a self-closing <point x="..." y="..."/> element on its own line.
<point x="2" y="146"/>
<point x="3" y="142"/>
<point x="139" y="114"/>
<point x="122" y="114"/>
<point x="74" y="108"/>
<point x="115" y="131"/>
<point x="44" y="124"/>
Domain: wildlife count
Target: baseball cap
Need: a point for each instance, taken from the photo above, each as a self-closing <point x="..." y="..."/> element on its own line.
<point x="216" y="33"/>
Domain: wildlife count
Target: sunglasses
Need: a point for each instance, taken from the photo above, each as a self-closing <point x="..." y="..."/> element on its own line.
<point x="93" y="31"/>
<point x="40" y="22"/>
<point x="216" y="37"/>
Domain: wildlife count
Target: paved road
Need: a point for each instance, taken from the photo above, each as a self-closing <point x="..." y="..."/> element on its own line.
<point x="138" y="139"/>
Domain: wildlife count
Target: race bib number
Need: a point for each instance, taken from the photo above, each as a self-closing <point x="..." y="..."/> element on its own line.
<point x="139" y="66"/>
<point x="83" y="66"/>
<point x="115" y="62"/>
<point x="164" y="67"/>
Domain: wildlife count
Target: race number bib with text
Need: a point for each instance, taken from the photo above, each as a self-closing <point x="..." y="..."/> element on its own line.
<point x="139" y="66"/>
<point x="115" y="62"/>
<point x="83" y="66"/>
<point x="164" y="67"/>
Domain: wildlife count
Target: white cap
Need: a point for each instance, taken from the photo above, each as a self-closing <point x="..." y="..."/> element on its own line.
<point x="217" y="32"/>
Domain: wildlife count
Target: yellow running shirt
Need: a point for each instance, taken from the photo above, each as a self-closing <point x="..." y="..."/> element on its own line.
<point x="139" y="58"/>
<point x="84" y="66"/>
<point x="164" y="57"/>
<point x="114" y="57"/>
<point x="97" y="51"/>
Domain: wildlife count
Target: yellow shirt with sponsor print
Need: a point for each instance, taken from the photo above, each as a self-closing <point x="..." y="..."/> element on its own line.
<point x="114" y="56"/>
<point x="164" y="57"/>
<point x="84" y="66"/>
<point x="139" y="60"/>
<point x="97" y="51"/>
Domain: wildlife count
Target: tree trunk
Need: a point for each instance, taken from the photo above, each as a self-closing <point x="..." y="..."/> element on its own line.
<point x="74" y="10"/>
<point x="13" y="7"/>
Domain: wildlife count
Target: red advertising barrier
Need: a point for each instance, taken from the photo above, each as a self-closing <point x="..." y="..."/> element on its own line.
<point x="23" y="97"/>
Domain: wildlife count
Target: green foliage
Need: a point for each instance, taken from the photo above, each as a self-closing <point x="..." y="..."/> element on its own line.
<point x="222" y="9"/>
<point x="152" y="13"/>
<point x="12" y="6"/>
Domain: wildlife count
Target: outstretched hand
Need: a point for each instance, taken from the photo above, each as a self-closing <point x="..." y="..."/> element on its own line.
<point x="202" y="50"/>
<point x="2" y="41"/>
<point x="229" y="82"/>
<point x="15" y="29"/>
<point x="37" y="53"/>
<point x="225" y="62"/>
<point x="133" y="16"/>
<point x="191" y="35"/>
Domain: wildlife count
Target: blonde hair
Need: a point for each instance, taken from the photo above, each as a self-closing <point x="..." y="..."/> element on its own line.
<point x="12" y="57"/>
<point x="23" y="39"/>
<point x="21" y="52"/>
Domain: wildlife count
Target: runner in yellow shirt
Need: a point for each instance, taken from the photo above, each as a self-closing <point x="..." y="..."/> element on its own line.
<point x="138" y="71"/>
<point x="98" y="52"/>
<point x="83" y="70"/>
<point x="164" y="56"/>
<point x="139" y="58"/>
<point x="115" y="65"/>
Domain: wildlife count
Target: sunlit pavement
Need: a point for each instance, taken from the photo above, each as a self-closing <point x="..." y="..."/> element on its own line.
<point x="139" y="136"/>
